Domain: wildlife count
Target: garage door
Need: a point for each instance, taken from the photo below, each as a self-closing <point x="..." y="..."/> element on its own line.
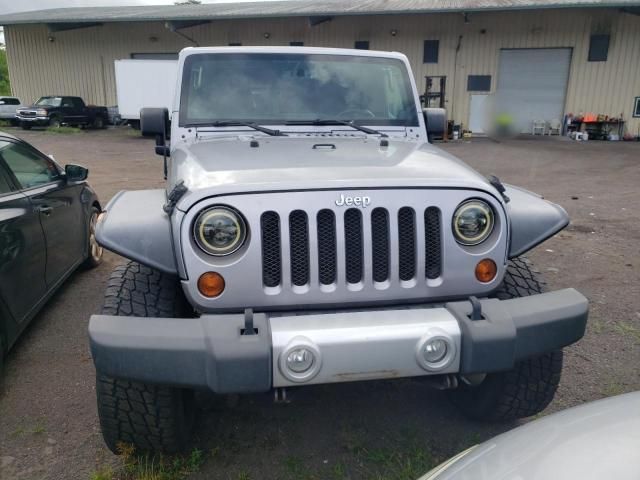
<point x="532" y="84"/>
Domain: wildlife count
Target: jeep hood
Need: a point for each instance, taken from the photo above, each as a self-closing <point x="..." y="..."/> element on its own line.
<point x="232" y="165"/>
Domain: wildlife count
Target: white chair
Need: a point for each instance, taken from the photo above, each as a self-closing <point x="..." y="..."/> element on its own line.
<point x="555" y="127"/>
<point x="539" y="126"/>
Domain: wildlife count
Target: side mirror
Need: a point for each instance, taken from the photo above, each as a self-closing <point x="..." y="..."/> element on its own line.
<point x="435" y="119"/>
<point x="76" y="173"/>
<point x="154" y="122"/>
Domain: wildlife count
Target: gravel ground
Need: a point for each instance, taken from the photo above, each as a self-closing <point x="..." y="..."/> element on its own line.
<point x="48" y="423"/>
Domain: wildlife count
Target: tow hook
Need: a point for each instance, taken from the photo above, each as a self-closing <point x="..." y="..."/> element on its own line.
<point x="280" y="395"/>
<point x="442" y="382"/>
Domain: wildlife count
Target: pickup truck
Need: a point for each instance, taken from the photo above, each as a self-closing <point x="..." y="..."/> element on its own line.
<point x="56" y="110"/>
<point x="8" y="106"/>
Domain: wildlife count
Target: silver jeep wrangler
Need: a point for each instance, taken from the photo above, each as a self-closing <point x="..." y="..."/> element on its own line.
<point x="310" y="233"/>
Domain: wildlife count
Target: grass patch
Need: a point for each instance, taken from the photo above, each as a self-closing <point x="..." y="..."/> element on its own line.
<point x="63" y="130"/>
<point x="151" y="467"/>
<point x="612" y="389"/>
<point x="627" y="330"/>
<point x="5" y="124"/>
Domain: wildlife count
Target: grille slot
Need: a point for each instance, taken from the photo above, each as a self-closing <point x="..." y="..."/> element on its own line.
<point x="380" y="244"/>
<point x="327" y="256"/>
<point x="354" y="255"/>
<point x="432" y="243"/>
<point x="299" y="242"/>
<point x="406" y="243"/>
<point x="271" y="256"/>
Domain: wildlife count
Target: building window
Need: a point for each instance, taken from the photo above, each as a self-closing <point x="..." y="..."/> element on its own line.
<point x="154" y="56"/>
<point x="431" y="48"/>
<point x="479" y="83"/>
<point x="598" y="48"/>
<point x="361" y="45"/>
<point x="296" y="44"/>
<point x="235" y="44"/>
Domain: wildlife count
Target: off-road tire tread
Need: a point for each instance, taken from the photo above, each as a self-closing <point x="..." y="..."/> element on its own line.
<point x="150" y="417"/>
<point x="531" y="385"/>
<point x="520" y="280"/>
<point x="140" y="291"/>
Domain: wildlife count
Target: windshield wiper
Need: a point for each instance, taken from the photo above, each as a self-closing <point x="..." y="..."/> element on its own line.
<point x="234" y="123"/>
<point x="349" y="123"/>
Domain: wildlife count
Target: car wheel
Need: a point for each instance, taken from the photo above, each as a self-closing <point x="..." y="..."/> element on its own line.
<point x="98" y="122"/>
<point x="152" y="418"/>
<point x="96" y="251"/>
<point x="531" y="385"/>
<point x="54" y="122"/>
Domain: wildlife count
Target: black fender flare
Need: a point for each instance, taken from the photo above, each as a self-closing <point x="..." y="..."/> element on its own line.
<point x="135" y="226"/>
<point x="533" y="219"/>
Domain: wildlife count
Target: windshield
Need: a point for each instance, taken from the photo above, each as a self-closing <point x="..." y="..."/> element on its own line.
<point x="281" y="88"/>
<point x="50" y="101"/>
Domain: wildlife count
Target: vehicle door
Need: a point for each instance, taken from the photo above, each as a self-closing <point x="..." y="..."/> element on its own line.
<point x="59" y="204"/>
<point x="80" y="111"/>
<point x="8" y="107"/>
<point x="69" y="111"/>
<point x="22" y="249"/>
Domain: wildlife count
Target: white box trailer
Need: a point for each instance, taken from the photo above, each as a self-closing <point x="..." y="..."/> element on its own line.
<point x="144" y="83"/>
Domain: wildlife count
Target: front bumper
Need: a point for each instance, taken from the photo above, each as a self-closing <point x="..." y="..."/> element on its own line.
<point x="212" y="352"/>
<point x="38" y="121"/>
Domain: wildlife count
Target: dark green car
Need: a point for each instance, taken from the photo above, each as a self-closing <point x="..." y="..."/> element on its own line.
<point x="47" y="223"/>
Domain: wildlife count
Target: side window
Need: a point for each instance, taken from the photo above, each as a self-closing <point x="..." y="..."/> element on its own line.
<point x="66" y="102"/>
<point x="12" y="101"/>
<point x="29" y="168"/>
<point x="4" y="183"/>
<point x="77" y="103"/>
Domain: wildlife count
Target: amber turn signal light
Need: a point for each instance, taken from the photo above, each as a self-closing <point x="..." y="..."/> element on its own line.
<point x="486" y="270"/>
<point x="211" y="284"/>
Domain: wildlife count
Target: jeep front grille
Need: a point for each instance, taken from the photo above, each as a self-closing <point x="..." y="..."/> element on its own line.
<point x="357" y="267"/>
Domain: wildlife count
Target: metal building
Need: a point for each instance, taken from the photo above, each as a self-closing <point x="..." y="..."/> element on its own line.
<point x="539" y="58"/>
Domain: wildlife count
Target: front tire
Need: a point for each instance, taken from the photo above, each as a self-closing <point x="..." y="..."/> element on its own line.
<point x="531" y="385"/>
<point x="153" y="418"/>
<point x="55" y="122"/>
<point x="95" y="251"/>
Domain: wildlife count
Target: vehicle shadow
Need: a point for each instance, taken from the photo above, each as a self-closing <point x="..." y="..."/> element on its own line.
<point x="378" y="429"/>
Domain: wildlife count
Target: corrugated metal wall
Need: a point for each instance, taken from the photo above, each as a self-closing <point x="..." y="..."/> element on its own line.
<point x="80" y="62"/>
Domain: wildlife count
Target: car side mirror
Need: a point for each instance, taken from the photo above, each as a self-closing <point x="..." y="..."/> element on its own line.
<point x="76" y="173"/>
<point x="154" y="122"/>
<point x="435" y="119"/>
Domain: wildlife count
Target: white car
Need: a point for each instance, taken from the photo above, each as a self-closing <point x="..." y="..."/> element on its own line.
<point x="8" y="106"/>
<point x="590" y="442"/>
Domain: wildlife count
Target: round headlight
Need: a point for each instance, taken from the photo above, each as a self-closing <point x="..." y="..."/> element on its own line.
<point x="219" y="231"/>
<point x="473" y="222"/>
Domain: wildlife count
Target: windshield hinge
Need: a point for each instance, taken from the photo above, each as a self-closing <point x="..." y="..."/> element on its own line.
<point x="172" y="199"/>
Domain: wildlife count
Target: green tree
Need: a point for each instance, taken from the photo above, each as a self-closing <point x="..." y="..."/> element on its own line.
<point x="5" y="87"/>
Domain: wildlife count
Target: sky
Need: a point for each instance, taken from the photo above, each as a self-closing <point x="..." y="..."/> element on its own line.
<point x="13" y="6"/>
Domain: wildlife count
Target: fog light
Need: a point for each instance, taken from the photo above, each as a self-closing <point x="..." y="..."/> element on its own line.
<point x="486" y="270"/>
<point x="211" y="284"/>
<point x="300" y="360"/>
<point x="434" y="350"/>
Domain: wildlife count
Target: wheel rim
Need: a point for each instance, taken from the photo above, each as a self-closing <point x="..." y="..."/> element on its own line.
<point x="55" y="123"/>
<point x="95" y="250"/>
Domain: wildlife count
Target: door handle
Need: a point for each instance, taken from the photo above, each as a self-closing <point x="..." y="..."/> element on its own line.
<point x="45" y="210"/>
